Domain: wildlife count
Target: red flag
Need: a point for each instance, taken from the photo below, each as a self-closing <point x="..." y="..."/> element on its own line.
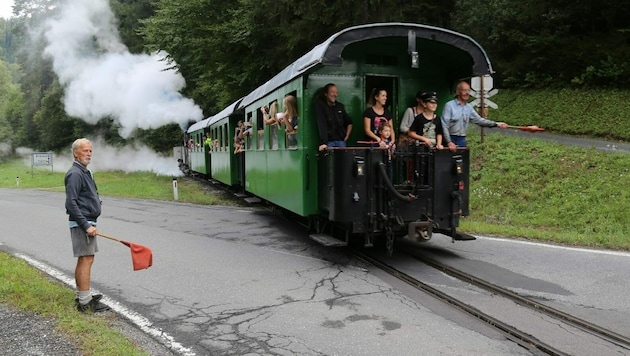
<point x="141" y="256"/>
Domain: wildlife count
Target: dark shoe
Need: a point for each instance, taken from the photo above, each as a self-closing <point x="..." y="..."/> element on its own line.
<point x="94" y="305"/>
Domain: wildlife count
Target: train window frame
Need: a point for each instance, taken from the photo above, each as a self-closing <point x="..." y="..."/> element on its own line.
<point x="217" y="145"/>
<point x="249" y="126"/>
<point x="288" y="144"/>
<point x="274" y="129"/>
<point x="260" y="131"/>
<point x="225" y="145"/>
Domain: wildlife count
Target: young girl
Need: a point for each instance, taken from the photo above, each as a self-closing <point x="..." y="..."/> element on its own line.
<point x="385" y="134"/>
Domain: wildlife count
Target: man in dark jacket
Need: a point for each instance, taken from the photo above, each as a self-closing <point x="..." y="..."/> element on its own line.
<point x="333" y="123"/>
<point x="83" y="206"/>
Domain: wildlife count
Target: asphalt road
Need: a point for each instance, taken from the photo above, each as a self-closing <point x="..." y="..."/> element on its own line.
<point x="234" y="281"/>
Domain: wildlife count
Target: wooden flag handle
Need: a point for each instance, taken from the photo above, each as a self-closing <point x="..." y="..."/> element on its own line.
<point x="109" y="237"/>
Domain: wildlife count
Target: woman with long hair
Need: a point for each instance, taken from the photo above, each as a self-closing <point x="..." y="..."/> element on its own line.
<point x="377" y="115"/>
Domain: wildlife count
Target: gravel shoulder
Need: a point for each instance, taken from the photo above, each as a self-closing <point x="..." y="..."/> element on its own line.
<point x="25" y="333"/>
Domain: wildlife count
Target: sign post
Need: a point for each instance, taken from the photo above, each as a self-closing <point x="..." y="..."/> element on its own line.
<point x="481" y="91"/>
<point x="41" y="159"/>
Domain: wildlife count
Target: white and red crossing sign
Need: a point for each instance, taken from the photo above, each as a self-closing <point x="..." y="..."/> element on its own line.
<point x="481" y="90"/>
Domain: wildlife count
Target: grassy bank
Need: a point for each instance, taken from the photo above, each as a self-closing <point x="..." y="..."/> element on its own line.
<point x="601" y="113"/>
<point x="28" y="289"/>
<point x="539" y="190"/>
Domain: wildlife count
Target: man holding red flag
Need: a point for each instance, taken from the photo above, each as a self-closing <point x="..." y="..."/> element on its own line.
<point x="83" y="206"/>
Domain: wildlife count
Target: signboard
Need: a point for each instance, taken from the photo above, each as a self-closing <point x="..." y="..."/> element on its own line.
<point x="41" y="159"/>
<point x="481" y="83"/>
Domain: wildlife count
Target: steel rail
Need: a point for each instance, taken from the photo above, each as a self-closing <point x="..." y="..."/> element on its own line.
<point x="584" y="325"/>
<point x="521" y="338"/>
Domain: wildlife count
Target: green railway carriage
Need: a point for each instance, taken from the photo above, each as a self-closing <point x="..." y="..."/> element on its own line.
<point x="198" y="152"/>
<point x="225" y="165"/>
<point x="356" y="60"/>
<point x="346" y="189"/>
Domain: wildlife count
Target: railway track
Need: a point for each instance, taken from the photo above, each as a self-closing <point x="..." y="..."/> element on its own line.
<point x="610" y="342"/>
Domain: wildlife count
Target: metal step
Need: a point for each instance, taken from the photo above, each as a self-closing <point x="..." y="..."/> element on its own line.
<point x="464" y="237"/>
<point x="328" y="240"/>
<point x="252" y="200"/>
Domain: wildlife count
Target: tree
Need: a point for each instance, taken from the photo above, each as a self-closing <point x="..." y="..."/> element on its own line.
<point x="539" y="43"/>
<point x="226" y="48"/>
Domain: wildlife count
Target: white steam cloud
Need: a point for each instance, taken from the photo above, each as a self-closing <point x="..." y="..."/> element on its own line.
<point x="103" y="79"/>
<point x="107" y="158"/>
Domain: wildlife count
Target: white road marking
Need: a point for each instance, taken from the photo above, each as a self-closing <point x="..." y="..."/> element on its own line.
<point x="143" y="323"/>
<point x="568" y="248"/>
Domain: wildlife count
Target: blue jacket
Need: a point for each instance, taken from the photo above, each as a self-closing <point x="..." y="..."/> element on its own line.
<point x="82" y="201"/>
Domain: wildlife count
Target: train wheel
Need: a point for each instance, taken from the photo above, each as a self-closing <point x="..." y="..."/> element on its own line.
<point x="389" y="241"/>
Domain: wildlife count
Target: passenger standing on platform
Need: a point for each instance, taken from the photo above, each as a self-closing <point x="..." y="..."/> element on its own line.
<point x="377" y="115"/>
<point x="83" y="207"/>
<point x="407" y="120"/>
<point x="457" y="115"/>
<point x="427" y="126"/>
<point x="333" y="122"/>
<point x="385" y="133"/>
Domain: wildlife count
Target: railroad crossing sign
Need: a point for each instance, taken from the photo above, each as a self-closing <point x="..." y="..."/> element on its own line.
<point x="481" y="90"/>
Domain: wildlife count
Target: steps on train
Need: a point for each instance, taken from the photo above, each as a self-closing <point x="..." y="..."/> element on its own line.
<point x="328" y="240"/>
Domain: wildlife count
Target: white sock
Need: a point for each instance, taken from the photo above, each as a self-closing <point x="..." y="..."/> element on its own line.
<point x="84" y="296"/>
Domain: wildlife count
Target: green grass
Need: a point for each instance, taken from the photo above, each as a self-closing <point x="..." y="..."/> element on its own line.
<point x="142" y="185"/>
<point x="590" y="113"/>
<point x="539" y="190"/>
<point x="28" y="289"/>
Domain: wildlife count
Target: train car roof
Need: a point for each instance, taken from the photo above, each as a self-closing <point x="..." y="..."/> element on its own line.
<point x="329" y="52"/>
<point x="199" y="125"/>
<point x="214" y="118"/>
<point x="232" y="108"/>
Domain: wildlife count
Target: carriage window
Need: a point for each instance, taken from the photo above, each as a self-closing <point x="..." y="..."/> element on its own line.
<point x="219" y="139"/>
<point x="248" y="132"/>
<point x="260" y="131"/>
<point x="272" y="123"/>
<point x="225" y="137"/>
<point x="291" y="119"/>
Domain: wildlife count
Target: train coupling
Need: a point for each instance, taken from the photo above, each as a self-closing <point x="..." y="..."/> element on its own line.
<point x="420" y="231"/>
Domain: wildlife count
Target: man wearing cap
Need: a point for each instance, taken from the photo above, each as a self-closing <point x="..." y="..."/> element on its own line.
<point x="458" y="114"/>
<point x="427" y="126"/>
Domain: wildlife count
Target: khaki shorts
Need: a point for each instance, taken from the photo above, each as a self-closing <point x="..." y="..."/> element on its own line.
<point x="82" y="245"/>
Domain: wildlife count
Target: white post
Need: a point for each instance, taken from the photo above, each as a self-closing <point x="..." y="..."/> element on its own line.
<point x="175" y="192"/>
<point x="17" y="181"/>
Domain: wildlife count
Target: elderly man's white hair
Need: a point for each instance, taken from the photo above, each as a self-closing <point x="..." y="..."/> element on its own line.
<point x="80" y="142"/>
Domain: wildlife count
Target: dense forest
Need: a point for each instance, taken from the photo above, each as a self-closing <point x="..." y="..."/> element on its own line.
<point x="225" y="48"/>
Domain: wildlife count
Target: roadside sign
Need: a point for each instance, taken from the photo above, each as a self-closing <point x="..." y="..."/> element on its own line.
<point x="476" y="83"/>
<point x="489" y="103"/>
<point x="492" y="92"/>
<point x="41" y="159"/>
<point x="486" y="103"/>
